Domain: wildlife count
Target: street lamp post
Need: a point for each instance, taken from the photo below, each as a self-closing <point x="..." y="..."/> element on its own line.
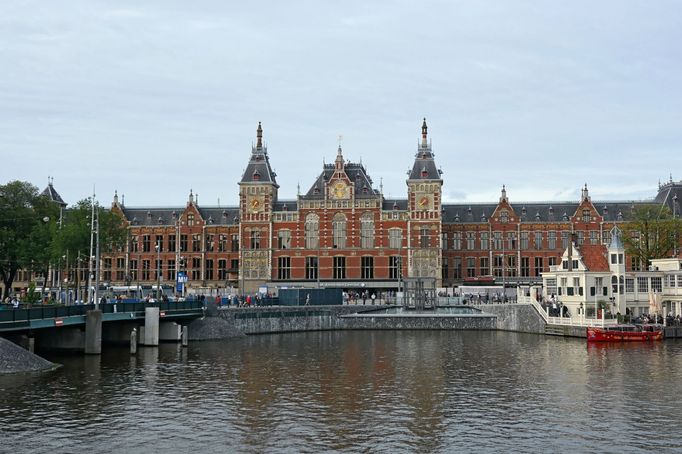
<point x="158" y="271"/>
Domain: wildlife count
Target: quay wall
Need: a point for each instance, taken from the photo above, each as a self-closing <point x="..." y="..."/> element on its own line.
<point x="519" y="317"/>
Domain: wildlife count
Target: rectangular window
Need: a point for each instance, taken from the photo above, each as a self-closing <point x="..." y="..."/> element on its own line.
<point x="484" y="241"/>
<point x="445" y="271"/>
<point x="170" y="267"/>
<point x="222" y="243"/>
<point x="656" y="284"/>
<point x="457" y="241"/>
<point x="581" y="238"/>
<point x="255" y="239"/>
<point x="524" y="240"/>
<point x="196" y="268"/>
<point x="222" y="269"/>
<point x="458" y="268"/>
<point x="511" y="265"/>
<point x="106" y="264"/>
<point x="630" y="285"/>
<point x="497" y="265"/>
<point x="133" y="270"/>
<point x="484" y="268"/>
<point x="234" y="266"/>
<point x="146" y="266"/>
<point x="171" y="243"/>
<point x="208" y="274"/>
<point x="551" y="286"/>
<point x="339" y="267"/>
<point x="642" y="284"/>
<point x="183" y="243"/>
<point x="539" y="266"/>
<point x="394" y="271"/>
<point x="395" y="238"/>
<point x="552" y="261"/>
<point x="234" y="244"/>
<point x="471" y="267"/>
<point x="594" y="237"/>
<point x="497" y="240"/>
<point x="511" y="240"/>
<point x="158" y="241"/>
<point x="424" y="237"/>
<point x="444" y="240"/>
<point x="564" y="240"/>
<point x="471" y="241"/>
<point x="636" y="264"/>
<point x="196" y="243"/>
<point x="134" y="244"/>
<point x="525" y="266"/>
<point x="551" y="240"/>
<point x="284" y="268"/>
<point x="210" y="242"/>
<point x="284" y="239"/>
<point x="538" y="240"/>
<point x="367" y="269"/>
<point x="146" y="243"/>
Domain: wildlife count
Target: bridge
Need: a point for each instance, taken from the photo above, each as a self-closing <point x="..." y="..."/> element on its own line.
<point x="84" y="327"/>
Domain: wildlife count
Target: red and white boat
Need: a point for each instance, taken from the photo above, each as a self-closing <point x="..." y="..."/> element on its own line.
<point x="625" y="333"/>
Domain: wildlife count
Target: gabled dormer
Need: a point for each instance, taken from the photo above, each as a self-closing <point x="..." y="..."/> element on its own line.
<point x="339" y="186"/>
<point x="191" y="216"/>
<point x="586" y="211"/>
<point x="504" y="212"/>
<point x="586" y="258"/>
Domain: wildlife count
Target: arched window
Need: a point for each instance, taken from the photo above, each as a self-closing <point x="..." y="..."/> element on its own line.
<point x="367" y="231"/>
<point x="339" y="231"/>
<point x="312" y="237"/>
<point x="614" y="284"/>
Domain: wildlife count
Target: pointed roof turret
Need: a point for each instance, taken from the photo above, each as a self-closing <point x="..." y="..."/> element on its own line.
<point x="338" y="163"/>
<point x="503" y="194"/>
<point x="585" y="195"/>
<point x="424" y="167"/>
<point x="616" y="242"/>
<point x="51" y="193"/>
<point x="258" y="168"/>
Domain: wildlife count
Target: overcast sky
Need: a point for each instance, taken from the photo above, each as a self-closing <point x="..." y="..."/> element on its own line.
<point x="154" y="98"/>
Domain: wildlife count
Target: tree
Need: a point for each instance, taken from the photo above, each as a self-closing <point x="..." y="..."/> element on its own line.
<point x="653" y="233"/>
<point x="27" y="227"/>
<point x="72" y="239"/>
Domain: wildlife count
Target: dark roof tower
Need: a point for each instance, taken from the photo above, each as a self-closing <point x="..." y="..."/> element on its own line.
<point x="51" y="193"/>
<point x="258" y="169"/>
<point x="424" y="167"/>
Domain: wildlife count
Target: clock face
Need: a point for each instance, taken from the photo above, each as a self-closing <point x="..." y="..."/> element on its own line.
<point x="424" y="202"/>
<point x="256" y="204"/>
<point x="340" y="190"/>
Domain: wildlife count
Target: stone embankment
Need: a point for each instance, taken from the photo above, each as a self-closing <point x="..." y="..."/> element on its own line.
<point x="15" y="359"/>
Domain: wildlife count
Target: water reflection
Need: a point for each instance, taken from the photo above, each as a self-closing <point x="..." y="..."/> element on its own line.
<point x="358" y="390"/>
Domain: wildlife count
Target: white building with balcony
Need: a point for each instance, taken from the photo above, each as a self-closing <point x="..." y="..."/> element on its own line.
<point x="595" y="276"/>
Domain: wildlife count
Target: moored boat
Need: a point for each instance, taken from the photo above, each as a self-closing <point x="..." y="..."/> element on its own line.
<point x="625" y="333"/>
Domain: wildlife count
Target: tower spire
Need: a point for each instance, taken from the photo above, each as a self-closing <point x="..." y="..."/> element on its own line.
<point x="259" y="137"/>
<point x="424" y="133"/>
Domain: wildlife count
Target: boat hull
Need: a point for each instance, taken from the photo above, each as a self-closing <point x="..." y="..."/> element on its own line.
<point x="603" y="335"/>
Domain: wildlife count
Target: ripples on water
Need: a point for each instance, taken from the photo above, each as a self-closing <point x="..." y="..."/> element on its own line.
<point x="423" y="391"/>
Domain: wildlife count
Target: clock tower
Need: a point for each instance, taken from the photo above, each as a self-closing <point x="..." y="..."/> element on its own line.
<point x="424" y="199"/>
<point x="257" y="195"/>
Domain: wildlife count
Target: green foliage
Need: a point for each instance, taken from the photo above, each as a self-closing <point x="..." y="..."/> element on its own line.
<point x="27" y="228"/>
<point x="652" y="233"/>
<point x="32" y="297"/>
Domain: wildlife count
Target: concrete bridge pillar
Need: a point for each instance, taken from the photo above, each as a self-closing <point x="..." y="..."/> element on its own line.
<point x="151" y="326"/>
<point x="170" y="331"/>
<point x="93" y="332"/>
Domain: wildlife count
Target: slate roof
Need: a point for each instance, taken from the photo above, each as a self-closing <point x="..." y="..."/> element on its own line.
<point x="424" y="167"/>
<point x="394" y="204"/>
<point x="670" y="194"/>
<point x="144" y="216"/>
<point x="285" y="205"/>
<point x="357" y="173"/>
<point x="258" y="169"/>
<point x="537" y="211"/>
<point x="51" y="193"/>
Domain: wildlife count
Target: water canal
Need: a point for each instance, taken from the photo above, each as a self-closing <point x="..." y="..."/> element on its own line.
<point x="362" y="391"/>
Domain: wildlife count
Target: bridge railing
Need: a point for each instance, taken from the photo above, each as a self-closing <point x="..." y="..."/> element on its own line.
<point x="55" y="311"/>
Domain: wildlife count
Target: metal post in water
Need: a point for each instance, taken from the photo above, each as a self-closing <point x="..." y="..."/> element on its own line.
<point x="133" y="341"/>
<point x="185" y="336"/>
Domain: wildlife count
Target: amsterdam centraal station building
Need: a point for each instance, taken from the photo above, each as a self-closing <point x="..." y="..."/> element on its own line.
<point x="343" y="232"/>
